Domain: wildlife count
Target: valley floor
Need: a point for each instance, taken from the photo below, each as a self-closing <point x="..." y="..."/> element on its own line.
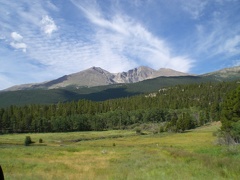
<point x="119" y="155"/>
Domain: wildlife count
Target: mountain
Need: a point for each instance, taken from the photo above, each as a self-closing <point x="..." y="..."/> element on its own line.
<point x="97" y="93"/>
<point x="232" y="73"/>
<point x="40" y="94"/>
<point x="97" y="76"/>
<point x="88" y="78"/>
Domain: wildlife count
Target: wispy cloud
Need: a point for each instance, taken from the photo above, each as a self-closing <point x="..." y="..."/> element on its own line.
<point x="130" y="40"/>
<point x="232" y="45"/>
<point x="194" y="7"/>
<point x="20" y="27"/>
<point x="220" y="34"/>
<point x="116" y="44"/>
<point x="214" y="43"/>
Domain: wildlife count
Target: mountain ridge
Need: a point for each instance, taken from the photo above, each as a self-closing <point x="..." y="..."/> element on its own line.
<point x="96" y="76"/>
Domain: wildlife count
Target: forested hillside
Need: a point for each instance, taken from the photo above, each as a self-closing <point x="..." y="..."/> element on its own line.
<point x="175" y="108"/>
<point x="99" y="93"/>
<point x="231" y="117"/>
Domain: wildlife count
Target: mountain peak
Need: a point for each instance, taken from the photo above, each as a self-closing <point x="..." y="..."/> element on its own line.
<point x="94" y="68"/>
<point x="96" y="76"/>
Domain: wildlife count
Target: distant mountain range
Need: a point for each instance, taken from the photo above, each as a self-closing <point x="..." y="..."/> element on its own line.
<point x="98" y="85"/>
<point x="97" y="76"/>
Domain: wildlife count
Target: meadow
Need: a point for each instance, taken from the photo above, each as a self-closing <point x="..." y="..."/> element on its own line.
<point x="120" y="155"/>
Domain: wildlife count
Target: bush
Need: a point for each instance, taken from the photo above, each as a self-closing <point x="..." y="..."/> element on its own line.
<point x="235" y="132"/>
<point x="138" y="131"/>
<point x="232" y="149"/>
<point x="161" y="129"/>
<point x="225" y="138"/>
<point x="40" y="140"/>
<point x="28" y="141"/>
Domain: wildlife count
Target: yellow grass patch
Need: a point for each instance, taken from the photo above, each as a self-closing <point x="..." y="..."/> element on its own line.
<point x="189" y="155"/>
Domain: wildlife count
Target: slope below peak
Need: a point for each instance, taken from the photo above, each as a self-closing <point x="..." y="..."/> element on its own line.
<point x="170" y="72"/>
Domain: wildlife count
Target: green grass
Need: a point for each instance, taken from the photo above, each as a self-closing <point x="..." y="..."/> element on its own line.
<point x="190" y="155"/>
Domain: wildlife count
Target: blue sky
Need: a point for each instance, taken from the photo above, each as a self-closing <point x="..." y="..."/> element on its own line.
<point x="42" y="40"/>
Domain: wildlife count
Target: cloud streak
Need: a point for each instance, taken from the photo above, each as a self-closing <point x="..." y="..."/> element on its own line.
<point x="195" y="8"/>
<point x="215" y="37"/>
<point x="124" y="36"/>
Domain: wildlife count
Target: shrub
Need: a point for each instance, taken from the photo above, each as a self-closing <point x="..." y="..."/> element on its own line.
<point x="28" y="141"/>
<point x="138" y="131"/>
<point x="235" y="132"/>
<point x="232" y="149"/>
<point x="161" y="129"/>
<point x="225" y="138"/>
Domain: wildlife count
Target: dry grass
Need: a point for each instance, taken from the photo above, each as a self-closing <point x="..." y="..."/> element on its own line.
<point x="190" y="155"/>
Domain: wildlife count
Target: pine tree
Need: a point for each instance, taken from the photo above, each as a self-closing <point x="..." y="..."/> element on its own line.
<point x="231" y="115"/>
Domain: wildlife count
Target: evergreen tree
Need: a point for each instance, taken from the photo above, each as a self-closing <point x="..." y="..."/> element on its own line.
<point x="231" y="114"/>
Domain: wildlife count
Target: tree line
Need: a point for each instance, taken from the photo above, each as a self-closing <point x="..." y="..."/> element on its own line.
<point x="176" y="108"/>
<point x="231" y="117"/>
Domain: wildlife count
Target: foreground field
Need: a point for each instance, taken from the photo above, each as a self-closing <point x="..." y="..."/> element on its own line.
<point x="119" y="155"/>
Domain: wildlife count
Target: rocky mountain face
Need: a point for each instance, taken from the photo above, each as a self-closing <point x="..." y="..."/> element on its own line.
<point x="97" y="76"/>
<point x="134" y="75"/>
<point x="142" y="73"/>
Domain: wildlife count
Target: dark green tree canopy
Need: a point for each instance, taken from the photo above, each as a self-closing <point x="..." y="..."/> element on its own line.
<point x="178" y="108"/>
<point x="231" y="114"/>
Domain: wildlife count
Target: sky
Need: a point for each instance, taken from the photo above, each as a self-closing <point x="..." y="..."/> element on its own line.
<point x="42" y="40"/>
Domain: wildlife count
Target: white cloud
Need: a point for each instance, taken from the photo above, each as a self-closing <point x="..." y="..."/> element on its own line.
<point x="16" y="36"/>
<point x="17" y="45"/>
<point x="17" y="42"/>
<point x="48" y="25"/>
<point x="117" y="44"/>
<point x="130" y="41"/>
